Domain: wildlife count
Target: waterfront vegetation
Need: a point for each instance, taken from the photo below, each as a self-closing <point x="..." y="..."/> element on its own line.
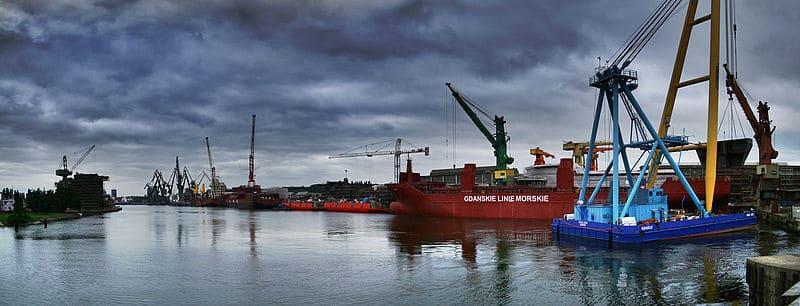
<point x="39" y="204"/>
<point x="12" y="218"/>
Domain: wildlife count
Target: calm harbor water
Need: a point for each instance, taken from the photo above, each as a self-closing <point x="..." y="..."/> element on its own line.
<point x="182" y="255"/>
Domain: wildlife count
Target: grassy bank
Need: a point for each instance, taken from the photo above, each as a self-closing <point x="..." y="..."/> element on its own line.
<point x="33" y="217"/>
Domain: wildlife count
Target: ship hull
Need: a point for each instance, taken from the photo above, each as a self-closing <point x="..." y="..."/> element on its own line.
<point x="512" y="204"/>
<point x="253" y="204"/>
<point x="678" y="198"/>
<point x="518" y="201"/>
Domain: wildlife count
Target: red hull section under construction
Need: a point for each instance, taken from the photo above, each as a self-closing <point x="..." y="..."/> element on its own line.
<point x="356" y="207"/>
<point x="507" y="202"/>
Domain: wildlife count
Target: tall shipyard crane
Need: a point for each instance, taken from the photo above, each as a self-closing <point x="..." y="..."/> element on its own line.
<point x="383" y="148"/>
<point x="498" y="140"/>
<point x="176" y="179"/>
<point x="157" y="189"/>
<point x="65" y="171"/>
<point x="251" y="181"/>
<point x="216" y="187"/>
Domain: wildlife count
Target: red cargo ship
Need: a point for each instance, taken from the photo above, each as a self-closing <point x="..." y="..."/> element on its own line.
<point x="507" y="202"/>
<point x="355" y="207"/>
<point x="245" y="197"/>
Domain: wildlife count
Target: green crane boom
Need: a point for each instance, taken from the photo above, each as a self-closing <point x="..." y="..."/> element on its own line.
<point x="498" y="140"/>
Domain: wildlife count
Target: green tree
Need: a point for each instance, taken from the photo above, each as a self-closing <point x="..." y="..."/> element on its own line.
<point x="20" y="214"/>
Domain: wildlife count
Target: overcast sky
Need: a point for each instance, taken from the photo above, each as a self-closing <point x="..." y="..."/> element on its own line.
<point x="148" y="80"/>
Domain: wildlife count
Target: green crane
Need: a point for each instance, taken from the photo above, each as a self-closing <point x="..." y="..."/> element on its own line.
<point x="498" y="140"/>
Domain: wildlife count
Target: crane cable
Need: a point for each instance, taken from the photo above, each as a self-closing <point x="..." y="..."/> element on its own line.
<point x="631" y="48"/>
<point x="731" y="60"/>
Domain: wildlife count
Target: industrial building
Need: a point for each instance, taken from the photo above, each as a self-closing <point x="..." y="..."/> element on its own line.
<point x="89" y="188"/>
<point x="452" y="176"/>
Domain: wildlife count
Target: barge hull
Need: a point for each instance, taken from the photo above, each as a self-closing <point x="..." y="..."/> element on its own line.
<point x="655" y="231"/>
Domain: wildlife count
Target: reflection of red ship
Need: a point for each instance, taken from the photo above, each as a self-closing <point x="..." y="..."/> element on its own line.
<point x="337" y="206"/>
<point x="529" y="201"/>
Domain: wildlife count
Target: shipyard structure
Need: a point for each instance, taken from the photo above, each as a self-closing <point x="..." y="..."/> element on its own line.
<point x="88" y="187"/>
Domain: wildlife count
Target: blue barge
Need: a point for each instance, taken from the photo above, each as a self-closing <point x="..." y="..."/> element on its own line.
<point x="642" y="214"/>
<point x="654" y="231"/>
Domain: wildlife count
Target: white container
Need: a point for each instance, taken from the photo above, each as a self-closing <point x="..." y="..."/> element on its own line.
<point x="628" y="221"/>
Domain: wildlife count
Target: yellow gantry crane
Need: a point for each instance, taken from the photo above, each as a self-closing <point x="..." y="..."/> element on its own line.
<point x="761" y="125"/>
<point x="690" y="21"/>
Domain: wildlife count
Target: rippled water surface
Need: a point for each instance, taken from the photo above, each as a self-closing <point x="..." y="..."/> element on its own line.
<point x="172" y="255"/>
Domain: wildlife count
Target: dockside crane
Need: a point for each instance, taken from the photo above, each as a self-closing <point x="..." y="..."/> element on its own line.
<point x="580" y="149"/>
<point x="157" y="187"/>
<point x="199" y="182"/>
<point x="498" y="140"/>
<point x="251" y="181"/>
<point x="176" y="179"/>
<point x="540" y="155"/>
<point x="65" y="170"/>
<point x="762" y="126"/>
<point x="214" y="181"/>
<point x="383" y="150"/>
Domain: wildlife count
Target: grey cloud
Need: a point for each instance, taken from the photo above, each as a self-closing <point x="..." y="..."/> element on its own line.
<point x="147" y="80"/>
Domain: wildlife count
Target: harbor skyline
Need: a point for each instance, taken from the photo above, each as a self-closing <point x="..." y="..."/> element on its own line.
<point x="146" y="81"/>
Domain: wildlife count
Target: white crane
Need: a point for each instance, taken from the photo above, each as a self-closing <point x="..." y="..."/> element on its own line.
<point x="384" y="148"/>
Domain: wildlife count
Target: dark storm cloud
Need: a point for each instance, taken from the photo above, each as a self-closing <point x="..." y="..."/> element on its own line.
<point x="147" y="80"/>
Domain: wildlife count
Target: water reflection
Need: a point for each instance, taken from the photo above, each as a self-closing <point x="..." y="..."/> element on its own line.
<point x="698" y="270"/>
<point x="252" y="229"/>
<point x="217" y="226"/>
<point x="169" y="255"/>
<point x="499" y="240"/>
<point x="339" y="225"/>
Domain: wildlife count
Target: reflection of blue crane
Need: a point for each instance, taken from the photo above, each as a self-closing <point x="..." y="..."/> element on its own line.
<point x="66" y="171"/>
<point x="498" y="140"/>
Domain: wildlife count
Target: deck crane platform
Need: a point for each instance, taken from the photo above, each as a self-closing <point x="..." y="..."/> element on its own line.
<point x="498" y="140"/>
<point x="371" y="150"/>
<point x="540" y="155"/>
<point x="65" y="171"/>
